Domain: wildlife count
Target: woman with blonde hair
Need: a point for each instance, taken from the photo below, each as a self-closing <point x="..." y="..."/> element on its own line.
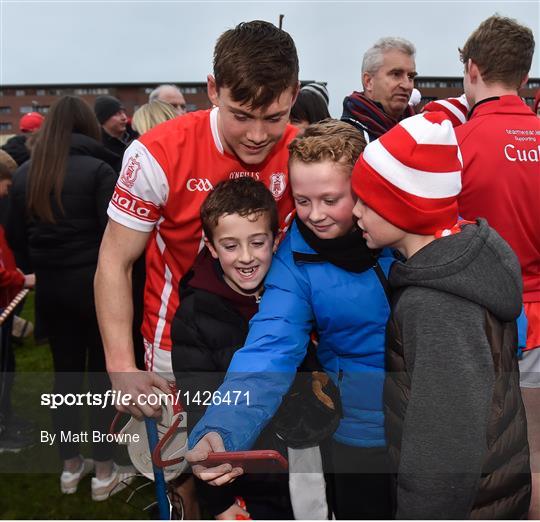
<point x="151" y="114"/>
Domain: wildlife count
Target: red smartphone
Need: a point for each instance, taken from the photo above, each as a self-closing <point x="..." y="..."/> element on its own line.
<point x="256" y="461"/>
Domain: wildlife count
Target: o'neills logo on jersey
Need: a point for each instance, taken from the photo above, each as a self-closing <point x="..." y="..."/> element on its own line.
<point x="134" y="206"/>
<point x="199" y="185"/>
<point x="277" y="184"/>
<point x="129" y="174"/>
<point x="237" y="174"/>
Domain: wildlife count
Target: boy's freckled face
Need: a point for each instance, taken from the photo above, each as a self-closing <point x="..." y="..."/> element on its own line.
<point x="377" y="232"/>
<point x="323" y="197"/>
<point x="249" y="133"/>
<point x="244" y="247"/>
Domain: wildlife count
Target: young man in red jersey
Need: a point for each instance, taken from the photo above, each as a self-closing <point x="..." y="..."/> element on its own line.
<point x="165" y="178"/>
<point x="500" y="144"/>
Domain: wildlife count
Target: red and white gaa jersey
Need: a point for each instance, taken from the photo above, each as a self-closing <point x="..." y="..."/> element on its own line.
<point x="166" y="176"/>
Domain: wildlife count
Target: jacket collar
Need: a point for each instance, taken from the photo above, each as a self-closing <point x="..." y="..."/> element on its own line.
<point x="507" y="104"/>
<point x="298" y="243"/>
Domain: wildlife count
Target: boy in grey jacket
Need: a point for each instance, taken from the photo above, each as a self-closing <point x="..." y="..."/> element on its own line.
<point x="455" y="421"/>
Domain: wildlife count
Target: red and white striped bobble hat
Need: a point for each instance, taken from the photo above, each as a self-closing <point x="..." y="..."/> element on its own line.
<point x="455" y="108"/>
<point x="411" y="175"/>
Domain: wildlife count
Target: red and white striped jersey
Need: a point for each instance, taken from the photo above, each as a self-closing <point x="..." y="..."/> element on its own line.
<point x="166" y="176"/>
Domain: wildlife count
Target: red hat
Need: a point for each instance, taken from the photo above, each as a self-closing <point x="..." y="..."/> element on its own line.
<point x="411" y="175"/>
<point x="31" y="122"/>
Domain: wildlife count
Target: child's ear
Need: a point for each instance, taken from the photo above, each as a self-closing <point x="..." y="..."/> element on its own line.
<point x="210" y="247"/>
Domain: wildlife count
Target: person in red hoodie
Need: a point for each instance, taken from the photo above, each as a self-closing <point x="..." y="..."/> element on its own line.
<point x="14" y="431"/>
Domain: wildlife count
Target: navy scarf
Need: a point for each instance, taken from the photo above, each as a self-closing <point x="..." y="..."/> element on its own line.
<point x="358" y="108"/>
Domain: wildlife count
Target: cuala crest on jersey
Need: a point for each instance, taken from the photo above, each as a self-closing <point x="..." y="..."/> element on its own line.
<point x="130" y="171"/>
<point x="278" y="184"/>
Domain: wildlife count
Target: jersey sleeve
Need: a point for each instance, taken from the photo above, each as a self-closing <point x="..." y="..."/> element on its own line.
<point x="141" y="190"/>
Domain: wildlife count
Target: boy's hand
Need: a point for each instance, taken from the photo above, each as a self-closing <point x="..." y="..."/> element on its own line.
<point x="235" y="512"/>
<point x="218" y="475"/>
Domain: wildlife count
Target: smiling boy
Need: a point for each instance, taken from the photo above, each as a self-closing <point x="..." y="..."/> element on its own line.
<point x="166" y="177"/>
<point x="219" y="296"/>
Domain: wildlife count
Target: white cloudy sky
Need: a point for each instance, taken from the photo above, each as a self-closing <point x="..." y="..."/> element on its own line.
<point x="155" y="41"/>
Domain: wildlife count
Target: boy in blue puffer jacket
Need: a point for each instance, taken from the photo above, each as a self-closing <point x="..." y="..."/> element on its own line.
<point x="323" y="278"/>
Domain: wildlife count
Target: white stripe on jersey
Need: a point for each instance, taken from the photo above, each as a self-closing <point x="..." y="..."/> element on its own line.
<point x="214" y="128"/>
<point x="165" y="296"/>
<point x="158" y="361"/>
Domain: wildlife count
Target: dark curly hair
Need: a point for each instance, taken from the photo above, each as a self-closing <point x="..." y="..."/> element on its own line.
<point x="243" y="196"/>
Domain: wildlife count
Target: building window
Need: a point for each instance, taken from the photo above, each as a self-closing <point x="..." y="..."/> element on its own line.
<point x="5" y="126"/>
<point x="40" y="92"/>
<point x="20" y="92"/>
<point x="56" y="92"/>
<point x="5" y="110"/>
<point x="42" y="109"/>
<point x="80" y="92"/>
<point x="25" y="109"/>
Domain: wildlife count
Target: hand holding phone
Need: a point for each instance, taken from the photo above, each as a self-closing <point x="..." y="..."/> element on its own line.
<point x="213" y="475"/>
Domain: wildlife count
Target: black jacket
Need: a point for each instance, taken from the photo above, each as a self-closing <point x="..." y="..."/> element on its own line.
<point x="210" y="325"/>
<point x="73" y="241"/>
<point x="16" y="148"/>
<point x="207" y="329"/>
<point x="117" y="146"/>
